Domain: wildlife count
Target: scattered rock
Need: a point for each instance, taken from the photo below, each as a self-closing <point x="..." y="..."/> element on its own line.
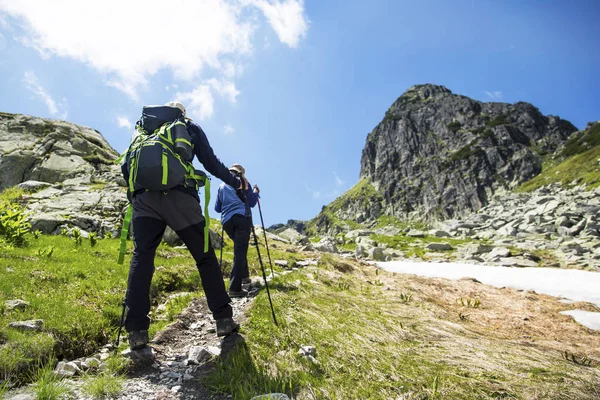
<point x="214" y="350"/>
<point x="439" y="246"/>
<point x="30" y="325"/>
<point x="499" y="252"/>
<point x="198" y="355"/>
<point x="415" y="234"/>
<point x="271" y="396"/>
<point x="23" y="396"/>
<point x="67" y="369"/>
<point x="17" y="304"/>
<point x="90" y="363"/>
<point x="140" y="357"/>
<point x="33" y="186"/>
<point x="377" y="254"/>
<point x="327" y="245"/>
<point x="307" y="351"/>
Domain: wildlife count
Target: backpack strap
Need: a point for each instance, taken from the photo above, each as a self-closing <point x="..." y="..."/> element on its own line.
<point x="124" y="232"/>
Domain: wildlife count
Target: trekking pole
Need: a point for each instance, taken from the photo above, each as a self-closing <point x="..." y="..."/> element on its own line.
<point x="120" y="325"/>
<point x="265" y="233"/>
<point x="262" y="267"/>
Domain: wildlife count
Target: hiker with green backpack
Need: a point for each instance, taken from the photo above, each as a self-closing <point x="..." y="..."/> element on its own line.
<point x="163" y="189"/>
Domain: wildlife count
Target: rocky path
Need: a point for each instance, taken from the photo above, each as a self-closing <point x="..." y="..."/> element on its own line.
<point x="178" y="357"/>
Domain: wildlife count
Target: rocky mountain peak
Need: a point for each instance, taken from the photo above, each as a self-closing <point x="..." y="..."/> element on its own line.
<point x="436" y="154"/>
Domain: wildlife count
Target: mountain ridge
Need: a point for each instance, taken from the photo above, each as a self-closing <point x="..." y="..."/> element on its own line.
<point x="436" y="154"/>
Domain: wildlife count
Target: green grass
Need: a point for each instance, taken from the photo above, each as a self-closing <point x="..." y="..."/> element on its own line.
<point x="3" y="389"/>
<point x="581" y="168"/>
<point x="454" y="126"/>
<point x="412" y="246"/>
<point x="582" y="141"/>
<point x="77" y="291"/>
<point x="386" y="220"/>
<point x="362" y="193"/>
<point x="499" y="119"/>
<point x="467" y="151"/>
<point x="48" y="386"/>
<point x="369" y="345"/>
<point x="103" y="385"/>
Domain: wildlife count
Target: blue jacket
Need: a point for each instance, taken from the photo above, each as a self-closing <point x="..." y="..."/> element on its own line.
<point x="228" y="203"/>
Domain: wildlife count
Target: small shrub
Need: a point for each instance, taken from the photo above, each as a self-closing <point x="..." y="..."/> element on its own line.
<point x="116" y="364"/>
<point x="470" y="303"/>
<point x="76" y="235"/>
<point x="36" y="234"/>
<point x="454" y="126"/>
<point x="405" y="297"/>
<point x="46" y="252"/>
<point x="13" y="224"/>
<point x="578" y="360"/>
<point x="579" y="143"/>
<point x="93" y="238"/>
<point x="47" y="385"/>
<point x="103" y="386"/>
<point x="4" y="386"/>
<point x="499" y="119"/>
<point x="97" y="159"/>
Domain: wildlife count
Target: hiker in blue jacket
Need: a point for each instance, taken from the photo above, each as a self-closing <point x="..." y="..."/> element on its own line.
<point x="180" y="209"/>
<point x="238" y="225"/>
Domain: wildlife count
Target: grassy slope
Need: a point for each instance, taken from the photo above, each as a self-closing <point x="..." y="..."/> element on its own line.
<point x="362" y="192"/>
<point x="78" y="291"/>
<point x="382" y="336"/>
<point x="582" y="152"/>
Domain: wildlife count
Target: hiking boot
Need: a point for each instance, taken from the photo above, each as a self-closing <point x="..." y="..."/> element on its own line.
<point x="138" y="339"/>
<point x="241" y="293"/>
<point x="246" y="281"/>
<point x="226" y="326"/>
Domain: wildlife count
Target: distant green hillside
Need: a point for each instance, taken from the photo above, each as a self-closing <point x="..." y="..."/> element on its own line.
<point x="580" y="163"/>
<point x="360" y="197"/>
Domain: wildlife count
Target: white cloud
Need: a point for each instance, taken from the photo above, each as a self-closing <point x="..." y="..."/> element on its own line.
<point x="315" y="193"/>
<point x="224" y="88"/>
<point x="338" y="181"/>
<point x="286" y="18"/>
<point x="228" y="130"/>
<point x="123" y="122"/>
<point x="211" y="40"/>
<point x="494" y="95"/>
<point x="56" y="109"/>
<point x="327" y="193"/>
<point x="199" y="102"/>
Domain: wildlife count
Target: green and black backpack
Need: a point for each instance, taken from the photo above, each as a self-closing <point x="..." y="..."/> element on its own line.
<point x="160" y="158"/>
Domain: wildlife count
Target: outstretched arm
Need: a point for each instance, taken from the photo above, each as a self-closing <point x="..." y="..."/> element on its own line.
<point x="207" y="157"/>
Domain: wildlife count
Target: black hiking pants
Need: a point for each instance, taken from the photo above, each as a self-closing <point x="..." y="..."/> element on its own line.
<point x="238" y="229"/>
<point x="152" y="212"/>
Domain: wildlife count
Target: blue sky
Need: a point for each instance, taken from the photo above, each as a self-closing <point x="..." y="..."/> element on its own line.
<point x="287" y="88"/>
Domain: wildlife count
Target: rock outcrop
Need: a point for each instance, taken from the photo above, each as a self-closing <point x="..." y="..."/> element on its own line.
<point x="67" y="172"/>
<point x="52" y="151"/>
<point x="437" y="154"/>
